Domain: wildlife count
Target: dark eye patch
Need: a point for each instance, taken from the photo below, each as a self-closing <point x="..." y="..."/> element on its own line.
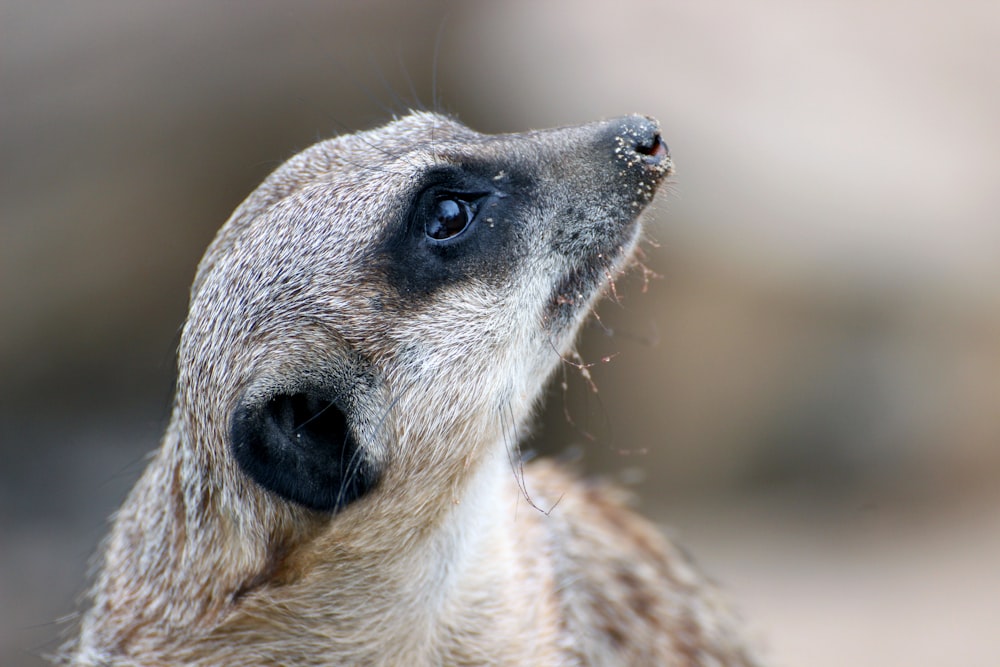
<point x="460" y="225"/>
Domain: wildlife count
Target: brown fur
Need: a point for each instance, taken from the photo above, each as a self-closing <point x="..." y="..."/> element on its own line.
<point x="442" y="562"/>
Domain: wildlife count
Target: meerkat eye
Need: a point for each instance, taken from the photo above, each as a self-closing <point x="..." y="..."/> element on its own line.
<point x="450" y="218"/>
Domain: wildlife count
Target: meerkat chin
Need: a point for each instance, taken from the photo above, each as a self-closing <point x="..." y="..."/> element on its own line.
<point x="366" y="334"/>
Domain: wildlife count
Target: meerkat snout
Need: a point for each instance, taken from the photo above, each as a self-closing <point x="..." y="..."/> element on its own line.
<point x="368" y="337"/>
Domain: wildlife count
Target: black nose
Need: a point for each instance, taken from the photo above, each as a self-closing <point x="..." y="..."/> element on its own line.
<point x="654" y="149"/>
<point x="641" y="135"/>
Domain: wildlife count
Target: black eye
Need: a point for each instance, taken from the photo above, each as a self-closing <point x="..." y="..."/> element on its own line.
<point x="449" y="218"/>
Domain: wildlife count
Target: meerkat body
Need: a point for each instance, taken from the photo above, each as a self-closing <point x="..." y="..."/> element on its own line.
<point x="367" y="335"/>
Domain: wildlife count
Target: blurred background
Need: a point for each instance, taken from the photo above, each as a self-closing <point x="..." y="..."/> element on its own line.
<point x="809" y="395"/>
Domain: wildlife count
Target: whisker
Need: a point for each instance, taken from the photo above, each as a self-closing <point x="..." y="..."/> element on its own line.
<point x="417" y="102"/>
<point x="512" y="445"/>
<point x="435" y="99"/>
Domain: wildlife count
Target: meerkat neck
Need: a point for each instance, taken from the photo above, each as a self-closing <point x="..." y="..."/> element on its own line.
<point x="180" y="560"/>
<point x="161" y="561"/>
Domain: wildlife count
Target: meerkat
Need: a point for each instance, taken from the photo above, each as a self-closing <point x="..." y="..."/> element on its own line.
<point x="368" y="335"/>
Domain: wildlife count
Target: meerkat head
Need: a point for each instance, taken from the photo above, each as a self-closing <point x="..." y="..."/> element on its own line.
<point x="388" y="302"/>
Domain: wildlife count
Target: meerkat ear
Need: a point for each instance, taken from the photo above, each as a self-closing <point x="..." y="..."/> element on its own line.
<point x="300" y="447"/>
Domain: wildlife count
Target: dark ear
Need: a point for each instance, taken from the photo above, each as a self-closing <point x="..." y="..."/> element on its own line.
<point x="300" y="447"/>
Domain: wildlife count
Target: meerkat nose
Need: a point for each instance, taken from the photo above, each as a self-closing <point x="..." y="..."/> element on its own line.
<point x="644" y="135"/>
<point x="655" y="150"/>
